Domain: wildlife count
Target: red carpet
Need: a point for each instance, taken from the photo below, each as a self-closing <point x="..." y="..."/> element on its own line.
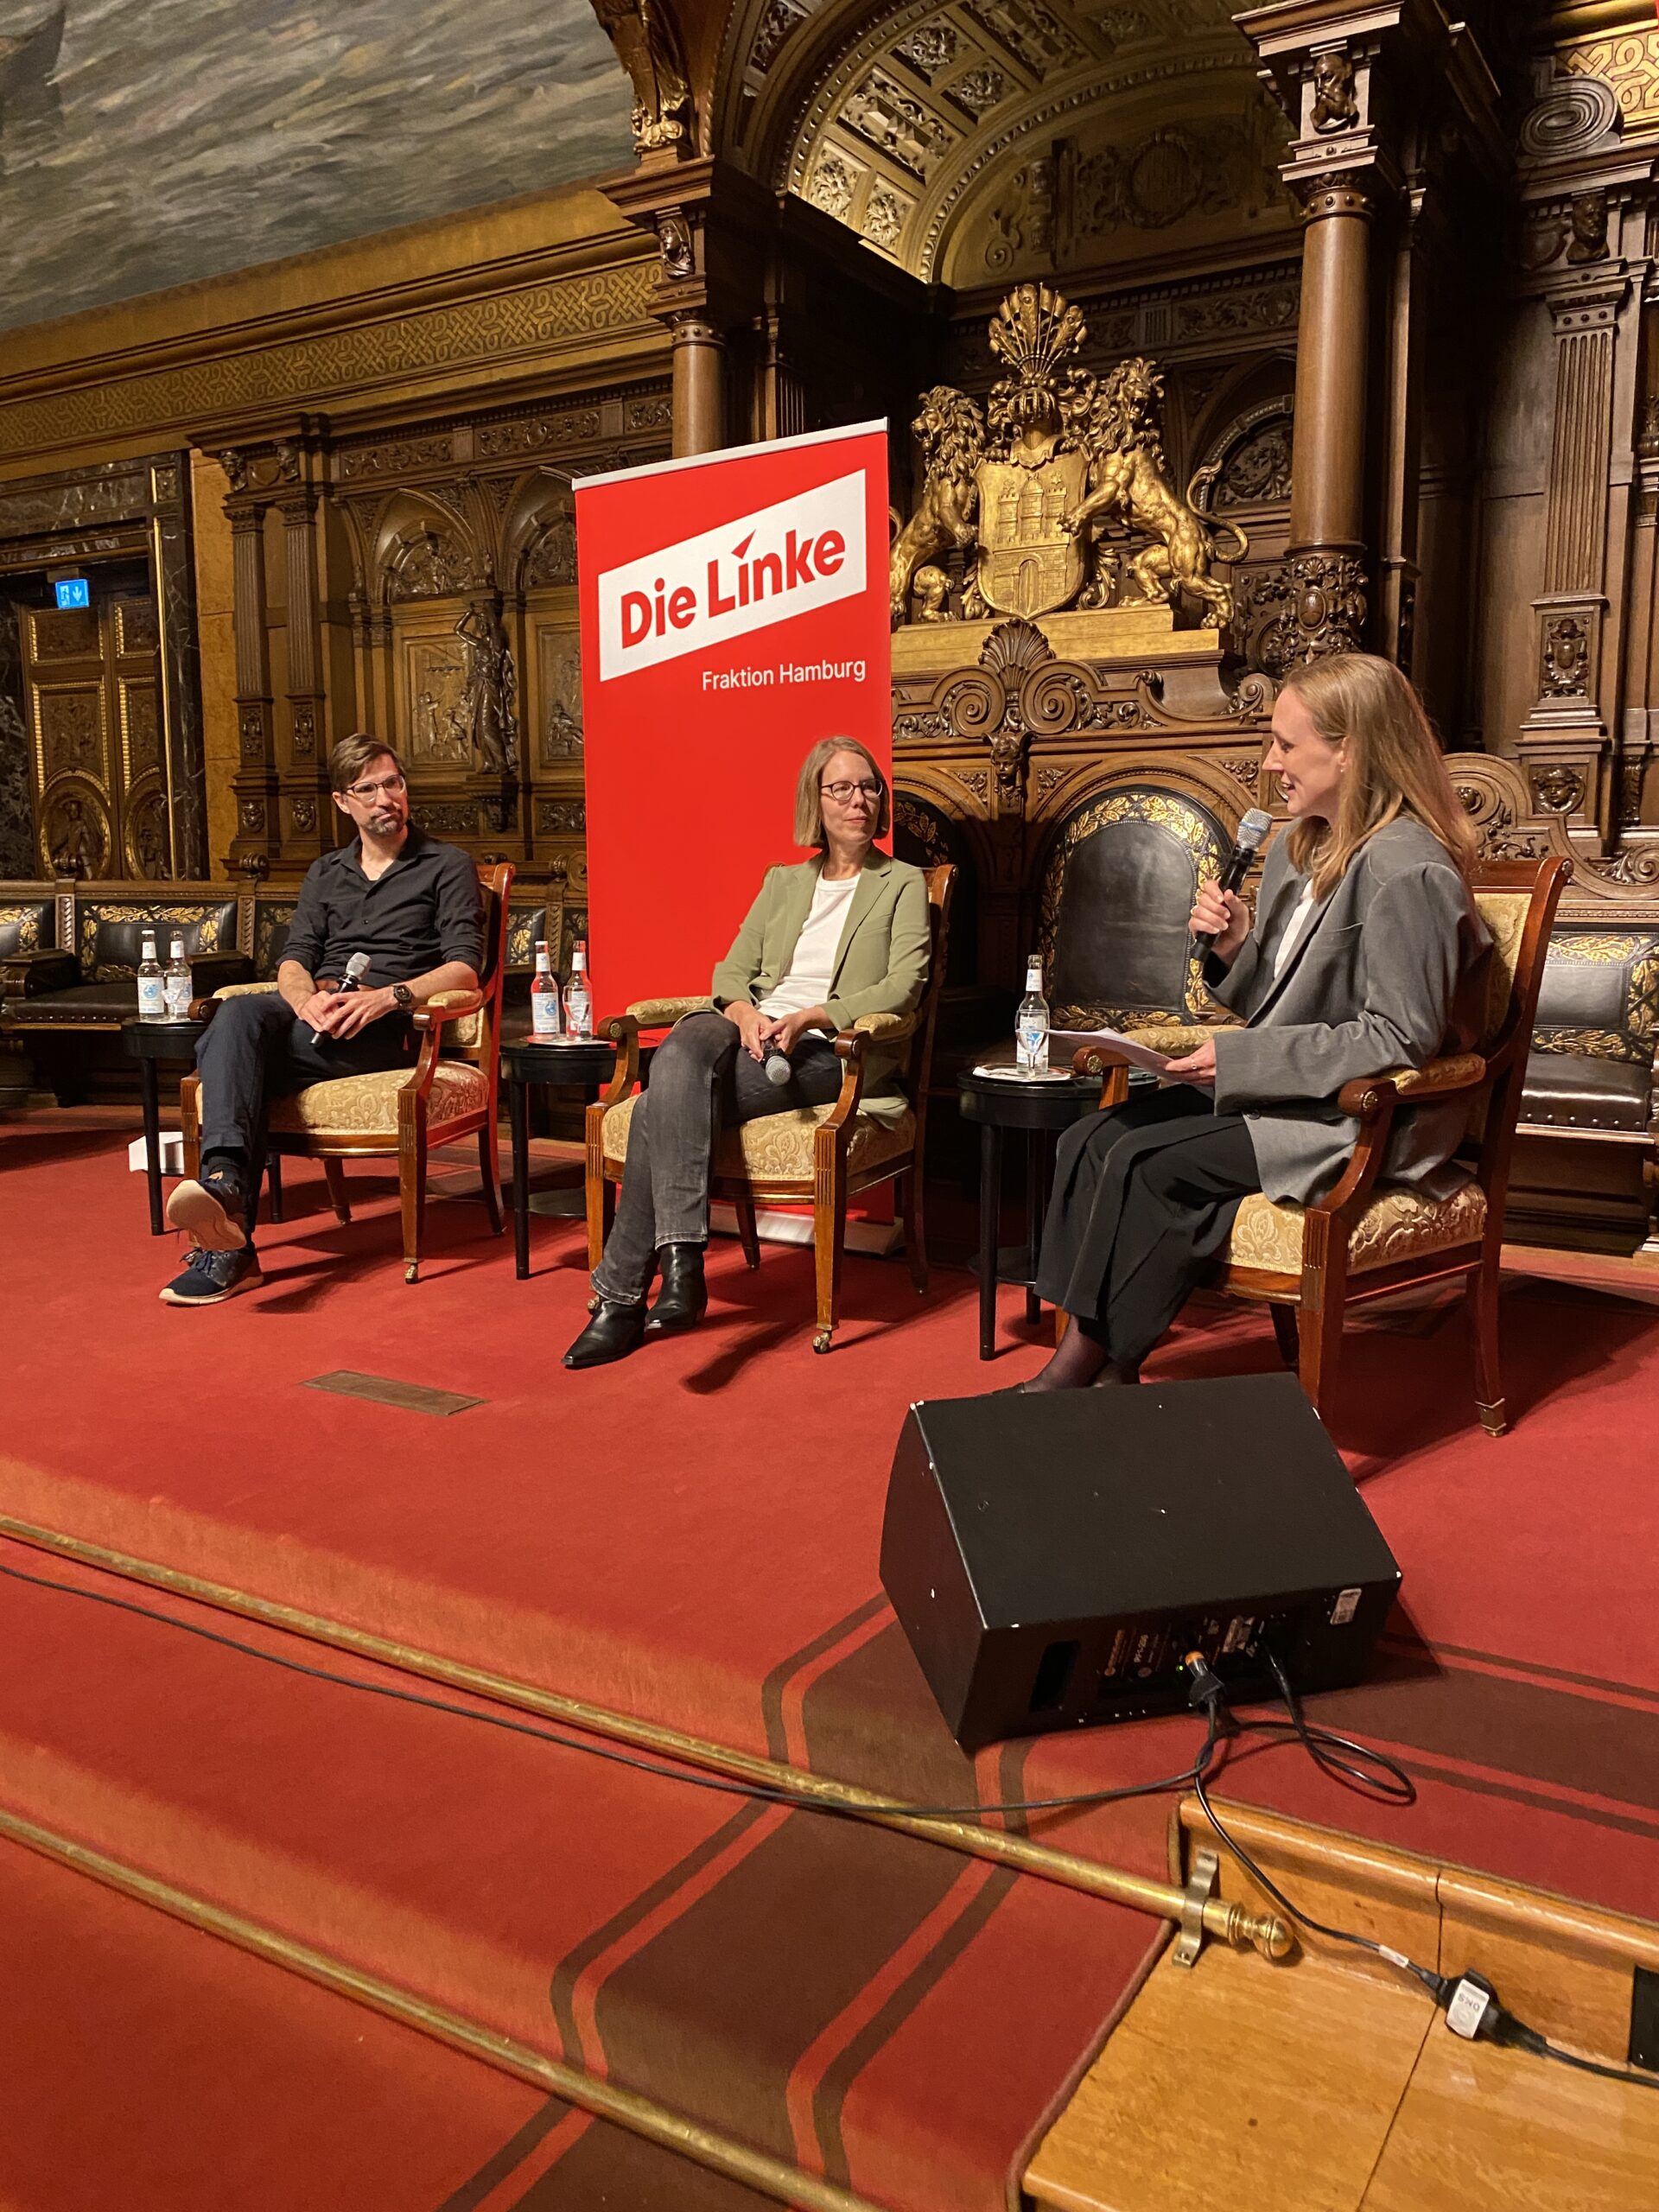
<point x="880" y="2011"/>
<point x="691" y="1536"/>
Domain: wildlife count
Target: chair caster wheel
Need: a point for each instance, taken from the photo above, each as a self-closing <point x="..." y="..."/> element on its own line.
<point x="411" y="1272"/>
<point x="820" y="1341"/>
<point x="592" y="1303"/>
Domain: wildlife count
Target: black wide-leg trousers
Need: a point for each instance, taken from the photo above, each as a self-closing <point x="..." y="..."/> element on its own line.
<point x="1144" y="1198"/>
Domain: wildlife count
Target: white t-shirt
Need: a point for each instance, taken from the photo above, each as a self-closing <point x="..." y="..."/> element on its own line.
<point x="1295" y="931"/>
<point x="807" y="982"/>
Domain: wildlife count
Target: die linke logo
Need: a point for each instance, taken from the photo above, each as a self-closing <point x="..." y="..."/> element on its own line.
<point x="787" y="559"/>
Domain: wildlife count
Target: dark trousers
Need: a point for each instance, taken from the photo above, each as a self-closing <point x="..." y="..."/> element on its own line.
<point x="702" y="1081"/>
<point x="1144" y="1198"/>
<point x="254" y="1050"/>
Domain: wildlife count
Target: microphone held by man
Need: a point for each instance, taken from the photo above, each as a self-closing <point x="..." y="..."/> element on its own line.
<point x="356" y="969"/>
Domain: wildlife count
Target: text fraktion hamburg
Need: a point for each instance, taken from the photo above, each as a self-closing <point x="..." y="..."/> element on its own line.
<point x="784" y="671"/>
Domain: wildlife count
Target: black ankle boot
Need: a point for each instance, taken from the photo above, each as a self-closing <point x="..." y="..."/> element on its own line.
<point x="682" y="1295"/>
<point x="613" y="1332"/>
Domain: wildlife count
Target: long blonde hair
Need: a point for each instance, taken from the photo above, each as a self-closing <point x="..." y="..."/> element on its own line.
<point x="1394" y="766"/>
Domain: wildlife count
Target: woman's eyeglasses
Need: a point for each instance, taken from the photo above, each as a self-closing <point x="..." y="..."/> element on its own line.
<point x="842" y="793"/>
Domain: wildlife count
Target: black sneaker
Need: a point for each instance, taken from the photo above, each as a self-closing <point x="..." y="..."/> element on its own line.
<point x="209" y="1278"/>
<point x="211" y="1212"/>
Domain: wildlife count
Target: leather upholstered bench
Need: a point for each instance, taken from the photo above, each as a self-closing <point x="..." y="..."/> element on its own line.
<point x="1589" y="1113"/>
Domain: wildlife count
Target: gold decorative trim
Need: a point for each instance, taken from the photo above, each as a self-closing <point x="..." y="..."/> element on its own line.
<point x="596" y="302"/>
<point x="641" y="2115"/>
<point x="1165" y="810"/>
<point x="1095" y="1879"/>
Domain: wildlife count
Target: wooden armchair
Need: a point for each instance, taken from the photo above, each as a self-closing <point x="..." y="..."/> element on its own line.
<point x="1361" y="1240"/>
<point x="819" y="1156"/>
<point x="450" y="1094"/>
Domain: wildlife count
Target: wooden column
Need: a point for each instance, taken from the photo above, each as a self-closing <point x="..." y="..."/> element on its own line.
<point x="1565" y="738"/>
<point x="306" y="797"/>
<point x="1327" y="509"/>
<point x="258" y="838"/>
<point x="699" y="418"/>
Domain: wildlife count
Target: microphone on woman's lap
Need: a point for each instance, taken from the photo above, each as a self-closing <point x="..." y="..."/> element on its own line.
<point x="777" y="1067"/>
<point x="1252" y="834"/>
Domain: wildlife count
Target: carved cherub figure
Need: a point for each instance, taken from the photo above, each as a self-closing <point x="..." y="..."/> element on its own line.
<point x="932" y="589"/>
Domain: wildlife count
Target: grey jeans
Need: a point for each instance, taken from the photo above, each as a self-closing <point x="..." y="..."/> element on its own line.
<point x="702" y="1081"/>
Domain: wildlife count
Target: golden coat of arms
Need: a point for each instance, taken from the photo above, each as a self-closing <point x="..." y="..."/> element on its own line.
<point x="1046" y="489"/>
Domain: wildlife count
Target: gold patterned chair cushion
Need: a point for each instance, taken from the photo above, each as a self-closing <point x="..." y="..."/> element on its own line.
<point x="778" y="1147"/>
<point x="1398" y="1225"/>
<point x="1504" y="914"/>
<point x="1176" y="1038"/>
<point x="367" y="1105"/>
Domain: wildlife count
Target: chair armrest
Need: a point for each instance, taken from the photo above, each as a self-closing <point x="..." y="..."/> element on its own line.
<point x="659" y="1013"/>
<point x="851" y="1046"/>
<point x="205" y="1009"/>
<point x="884" y="1028"/>
<point x="448" y="1005"/>
<point x="31" y="975"/>
<point x="1363" y="1097"/>
<point x="216" y="971"/>
<point x="623" y="1029"/>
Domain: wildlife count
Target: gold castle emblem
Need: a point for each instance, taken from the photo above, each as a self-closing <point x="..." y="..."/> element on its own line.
<point x="1051" y="488"/>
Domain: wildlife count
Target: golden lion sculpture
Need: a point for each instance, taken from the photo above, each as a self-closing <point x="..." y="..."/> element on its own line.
<point x="950" y="431"/>
<point x="1130" y="479"/>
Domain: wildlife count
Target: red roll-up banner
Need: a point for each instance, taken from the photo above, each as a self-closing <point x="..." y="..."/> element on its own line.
<point x="733" y="611"/>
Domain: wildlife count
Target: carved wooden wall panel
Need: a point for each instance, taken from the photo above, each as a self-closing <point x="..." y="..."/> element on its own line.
<point x="100" y="712"/>
<point x="440" y="561"/>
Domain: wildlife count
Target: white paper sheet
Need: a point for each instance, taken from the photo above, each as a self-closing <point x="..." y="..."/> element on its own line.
<point x="1125" y="1048"/>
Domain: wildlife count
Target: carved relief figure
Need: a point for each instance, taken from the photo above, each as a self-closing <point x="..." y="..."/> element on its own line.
<point x="1589" y="225"/>
<point x="1335" y="107"/>
<point x="429" y="565"/>
<point x="75" y="845"/>
<point x="487" y="703"/>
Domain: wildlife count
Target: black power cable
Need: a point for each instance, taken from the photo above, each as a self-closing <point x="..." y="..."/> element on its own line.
<point x="1469" y="2001"/>
<point x="761" y="1793"/>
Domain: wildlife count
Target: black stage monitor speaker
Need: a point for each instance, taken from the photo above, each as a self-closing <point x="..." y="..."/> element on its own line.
<point x="1052" y="1557"/>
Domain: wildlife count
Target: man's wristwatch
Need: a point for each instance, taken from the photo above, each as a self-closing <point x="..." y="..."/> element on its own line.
<point x="404" y="997"/>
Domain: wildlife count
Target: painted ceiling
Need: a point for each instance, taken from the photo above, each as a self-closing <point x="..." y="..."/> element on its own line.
<point x="150" y="142"/>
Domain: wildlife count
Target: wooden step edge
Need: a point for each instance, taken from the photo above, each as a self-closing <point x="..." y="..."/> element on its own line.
<point x="1564" y="1967"/>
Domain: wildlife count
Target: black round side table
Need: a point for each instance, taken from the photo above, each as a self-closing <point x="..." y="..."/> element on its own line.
<point x="1042" y="1109"/>
<point x="588" y="1061"/>
<point x="149" y="1043"/>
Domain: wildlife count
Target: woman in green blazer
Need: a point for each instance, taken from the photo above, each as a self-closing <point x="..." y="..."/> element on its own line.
<point x="844" y="934"/>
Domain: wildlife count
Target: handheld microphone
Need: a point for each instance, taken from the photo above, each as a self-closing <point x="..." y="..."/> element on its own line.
<point x="1252" y="834"/>
<point x="778" y="1070"/>
<point x="356" y="969"/>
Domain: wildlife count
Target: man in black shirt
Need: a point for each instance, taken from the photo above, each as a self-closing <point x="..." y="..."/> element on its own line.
<point x="408" y="903"/>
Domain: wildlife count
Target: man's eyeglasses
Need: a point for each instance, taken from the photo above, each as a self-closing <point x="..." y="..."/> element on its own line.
<point x="367" y="791"/>
<point x="842" y="793"/>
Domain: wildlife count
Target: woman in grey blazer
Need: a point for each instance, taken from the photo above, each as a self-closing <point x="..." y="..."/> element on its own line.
<point x="1366" y="954"/>
<point x="844" y="934"/>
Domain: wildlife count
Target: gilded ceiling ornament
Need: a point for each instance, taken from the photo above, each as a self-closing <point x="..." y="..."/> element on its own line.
<point x="643" y="33"/>
<point x="1058" y="459"/>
